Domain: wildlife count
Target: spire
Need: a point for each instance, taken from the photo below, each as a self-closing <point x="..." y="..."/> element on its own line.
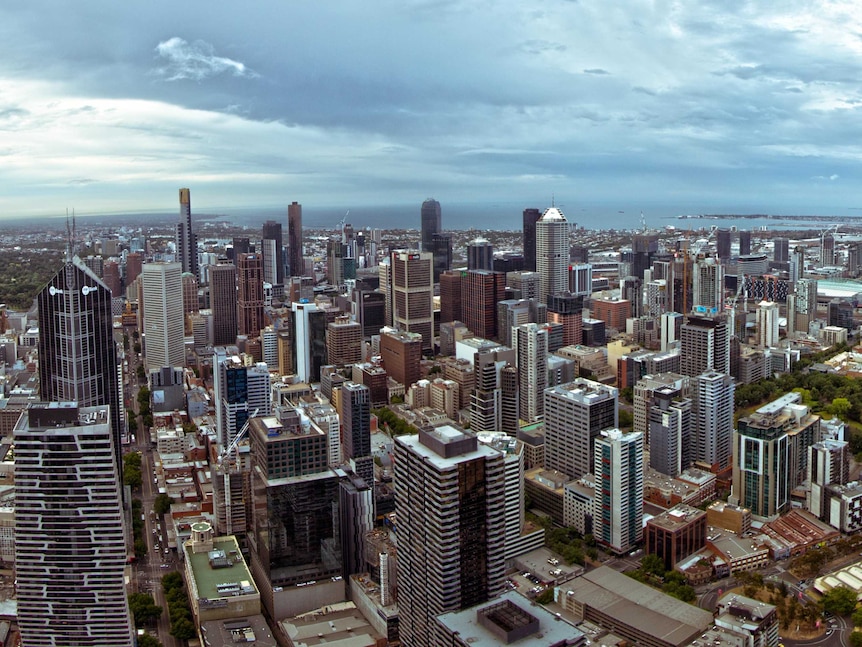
<point x="71" y="243"/>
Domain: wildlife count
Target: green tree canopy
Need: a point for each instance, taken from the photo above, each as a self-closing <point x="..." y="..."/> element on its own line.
<point x="162" y="504"/>
<point x="144" y="608"/>
<point x="841" y="601"/>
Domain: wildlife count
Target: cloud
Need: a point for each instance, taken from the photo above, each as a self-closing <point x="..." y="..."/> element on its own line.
<point x="830" y="178"/>
<point x="596" y="70"/>
<point x="196" y="61"/>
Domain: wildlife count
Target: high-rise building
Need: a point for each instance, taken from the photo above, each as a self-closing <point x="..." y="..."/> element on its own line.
<point x="767" y="324"/>
<point x="827" y="250"/>
<point x="295" y="260"/>
<point x="163" y="325"/>
<point x="223" y="303"/>
<point x="186" y="241"/>
<point x="722" y="245"/>
<point x="805" y="308"/>
<point x="671" y="328"/>
<point x="481" y="290"/>
<point x="744" y="242"/>
<point x="250" y="294"/>
<point x="618" y="467"/>
<point x="451" y="307"/>
<point x="781" y="249"/>
<point x="336" y="253"/>
<point x="272" y="249"/>
<point x="441" y="250"/>
<point x="581" y="279"/>
<point x="514" y="312"/>
<point x="431" y="222"/>
<point x="708" y="286"/>
<point x="524" y="284"/>
<point x="828" y="464"/>
<point x="77" y="352"/>
<point x="839" y="312"/>
<point x="134" y="263"/>
<point x="530" y="343"/>
<point x="370" y="311"/>
<point x="343" y="341"/>
<point x="238" y="391"/>
<point x="401" y="353"/>
<point x="552" y="253"/>
<point x="575" y="413"/>
<point x="450" y="501"/>
<point x="644" y="249"/>
<point x="530" y="218"/>
<point x="486" y="404"/>
<point x="705" y="345"/>
<point x="356" y="430"/>
<point x="712" y="393"/>
<point x="567" y="309"/>
<point x="70" y="550"/>
<point x="413" y="294"/>
<point x="480" y="255"/>
<point x="644" y="396"/>
<point x="190" y="295"/>
<point x="111" y="278"/>
<point x="308" y="340"/>
<point x="670" y="432"/>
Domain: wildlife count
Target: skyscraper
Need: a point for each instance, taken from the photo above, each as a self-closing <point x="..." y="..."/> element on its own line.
<point x="531" y="217"/>
<point x="238" y="391"/>
<point x="441" y="250"/>
<point x="530" y="343"/>
<point x="413" y="294"/>
<point x="644" y="248"/>
<point x="295" y="260"/>
<point x="70" y="552"/>
<point x="250" y="294"/>
<point x="77" y="352"/>
<point x="343" y="341"/>
<point x="708" y="286"/>
<point x="712" y="393"/>
<point x="781" y="250"/>
<point x="481" y="291"/>
<point x="567" y="309"/>
<point x="223" y="303"/>
<point x="744" y="242"/>
<point x="480" y="255"/>
<point x="618" y="504"/>
<point x="705" y="344"/>
<point x="163" y="325"/>
<point x="356" y="430"/>
<point x="450" y="500"/>
<point x="552" y="253"/>
<point x="722" y="245"/>
<point x="431" y="222"/>
<point x="451" y="306"/>
<point x="575" y="413"/>
<point x="273" y="253"/>
<point x="827" y="249"/>
<point x="767" y="324"/>
<point x="186" y="241"/>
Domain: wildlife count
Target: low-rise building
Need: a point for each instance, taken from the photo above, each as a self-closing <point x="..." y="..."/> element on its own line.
<point x="336" y="624"/>
<point x="739" y="553"/>
<point x="676" y="534"/>
<point x="756" y="620"/>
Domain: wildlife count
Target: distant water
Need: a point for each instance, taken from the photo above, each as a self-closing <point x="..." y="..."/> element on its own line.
<point x="482" y="216"/>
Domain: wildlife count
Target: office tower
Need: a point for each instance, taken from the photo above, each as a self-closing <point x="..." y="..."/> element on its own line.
<point x="294" y="543"/>
<point x="575" y="413"/>
<point x="186" y="241"/>
<point x="839" y="312"/>
<point x="238" y="391"/>
<point x="581" y="279"/>
<point x="111" y="278"/>
<point x="631" y="290"/>
<point x="77" y="352"/>
<point x="806" y="303"/>
<point x="530" y="218"/>
<point x="510" y="401"/>
<point x="552" y="253"/>
<point x="272" y="250"/>
<point x="744" y="242"/>
<point x="450" y="333"/>
<point x="613" y="312"/>
<point x="507" y="262"/>
<point x="190" y="294"/>
<point x="722" y="245"/>
<point x="162" y="285"/>
<point x="712" y="393"/>
<point x="781" y="249"/>
<point x="134" y="263"/>
<point x="295" y="259"/>
<point x="486" y="405"/>
<point x="480" y="255"/>
<point x="335" y="255"/>
<point x="827" y="250"/>
<point x="450" y="296"/>
<point x="525" y="285"/>
<point x="671" y="329"/>
<point x="241" y="245"/>
<point x="308" y="341"/>
<point x="828" y="464"/>
<point x="531" y="353"/>
<point x="567" y="309"/>
<point x="618" y="505"/>
<point x="705" y="345"/>
<point x="644" y="248"/>
<point x="356" y="430"/>
<point x="401" y="353"/>
<point x="481" y="290"/>
<point x="70" y="550"/>
<point x="430" y="222"/>
<point x="441" y="250"/>
<point x="223" y="303"/>
<point x="670" y="432"/>
<point x="644" y="396"/>
<point x="413" y="294"/>
<point x="655" y="299"/>
<point x="708" y="286"/>
<point x="250" y="294"/>
<point x="343" y="341"/>
<point x="370" y="311"/>
<point x="767" y="324"/>
<point x="450" y="501"/>
<point x="384" y="274"/>
<point x="514" y="312"/>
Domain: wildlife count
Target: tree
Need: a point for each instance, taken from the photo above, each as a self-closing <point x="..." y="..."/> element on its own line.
<point x="856" y="639"/>
<point x="144" y="608"/>
<point x="172" y="580"/>
<point x="546" y="596"/>
<point x="132" y="477"/>
<point x="162" y="504"/>
<point x="183" y="629"/>
<point x="840" y="407"/>
<point x="653" y="564"/>
<point x="857" y="618"/>
<point x="146" y="640"/>
<point x="840" y="601"/>
<point x="626" y="419"/>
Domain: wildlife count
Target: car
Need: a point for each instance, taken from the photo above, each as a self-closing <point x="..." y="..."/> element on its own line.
<point x="167" y="551"/>
<point x="556" y="572"/>
<point x="553" y="561"/>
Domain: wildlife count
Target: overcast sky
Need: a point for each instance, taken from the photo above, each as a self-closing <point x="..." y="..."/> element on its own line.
<point x="112" y="106"/>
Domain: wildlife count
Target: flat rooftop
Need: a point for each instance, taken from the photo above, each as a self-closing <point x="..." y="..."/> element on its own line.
<point x="338" y="625"/>
<point x="677" y="517"/>
<point x="230" y="580"/>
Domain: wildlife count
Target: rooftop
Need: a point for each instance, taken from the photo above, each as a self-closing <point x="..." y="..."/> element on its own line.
<point x="677" y="517"/>
<point x="222" y="572"/>
<point x="337" y="625"/>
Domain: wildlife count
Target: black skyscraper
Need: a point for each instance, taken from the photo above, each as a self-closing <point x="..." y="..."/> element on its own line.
<point x="186" y="241"/>
<point x="441" y="248"/>
<point x="531" y="217"/>
<point x="272" y="231"/>
<point x="431" y="222"/>
<point x="294" y="240"/>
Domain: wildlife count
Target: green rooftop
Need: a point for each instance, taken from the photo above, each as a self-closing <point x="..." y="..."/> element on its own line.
<point x="220" y="573"/>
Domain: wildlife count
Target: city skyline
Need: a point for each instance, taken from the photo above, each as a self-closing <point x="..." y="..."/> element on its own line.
<point x="704" y="109"/>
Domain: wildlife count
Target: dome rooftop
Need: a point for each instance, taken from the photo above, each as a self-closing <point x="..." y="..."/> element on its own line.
<point x="552" y="215"/>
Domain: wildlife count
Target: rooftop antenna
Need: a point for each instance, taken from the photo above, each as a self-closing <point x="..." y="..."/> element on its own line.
<point x="70" y="236"/>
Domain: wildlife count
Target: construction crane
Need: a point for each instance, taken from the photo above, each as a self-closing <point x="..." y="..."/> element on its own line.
<point x="225" y="469"/>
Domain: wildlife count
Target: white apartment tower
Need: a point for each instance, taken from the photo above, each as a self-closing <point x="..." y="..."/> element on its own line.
<point x="163" y="318"/>
<point x="530" y="343"/>
<point x="708" y="286"/>
<point x="618" y="505"/>
<point x="70" y="551"/>
<point x="767" y="324"/>
<point x="552" y="253"/>
<point x="712" y="393"/>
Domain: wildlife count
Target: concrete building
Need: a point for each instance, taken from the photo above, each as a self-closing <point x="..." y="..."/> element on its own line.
<point x="401" y="353"/>
<point x="480" y="255"/>
<point x="481" y="291"/>
<point x="450" y="487"/>
<point x="163" y="326"/>
<point x="239" y="391"/>
<point x="756" y="620"/>
<point x="828" y="465"/>
<point x="223" y="303"/>
<point x="567" y="309"/>
<point x="613" y="312"/>
<point x="552" y="253"/>
<point x="343" y="341"/>
<point x="712" y="394"/>
<point x="531" y="350"/>
<point x="619" y="475"/>
<point x="412" y="294"/>
<point x="675" y="534"/>
<point x="708" y="286"/>
<point x="186" y="240"/>
<point x="295" y="261"/>
<point x="767" y="324"/>
<point x="250" y="299"/>
<point x="705" y="344"/>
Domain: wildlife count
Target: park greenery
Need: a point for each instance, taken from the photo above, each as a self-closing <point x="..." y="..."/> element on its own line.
<point x="812" y="562"/>
<point x="395" y="425"/>
<point x="792" y="614"/>
<point x="179" y="611"/>
<point x="23" y="274"/>
<point x="147" y="640"/>
<point x="144" y="407"/>
<point x="652" y="572"/>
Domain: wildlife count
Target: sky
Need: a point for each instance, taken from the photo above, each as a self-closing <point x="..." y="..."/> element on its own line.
<point x="704" y="106"/>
